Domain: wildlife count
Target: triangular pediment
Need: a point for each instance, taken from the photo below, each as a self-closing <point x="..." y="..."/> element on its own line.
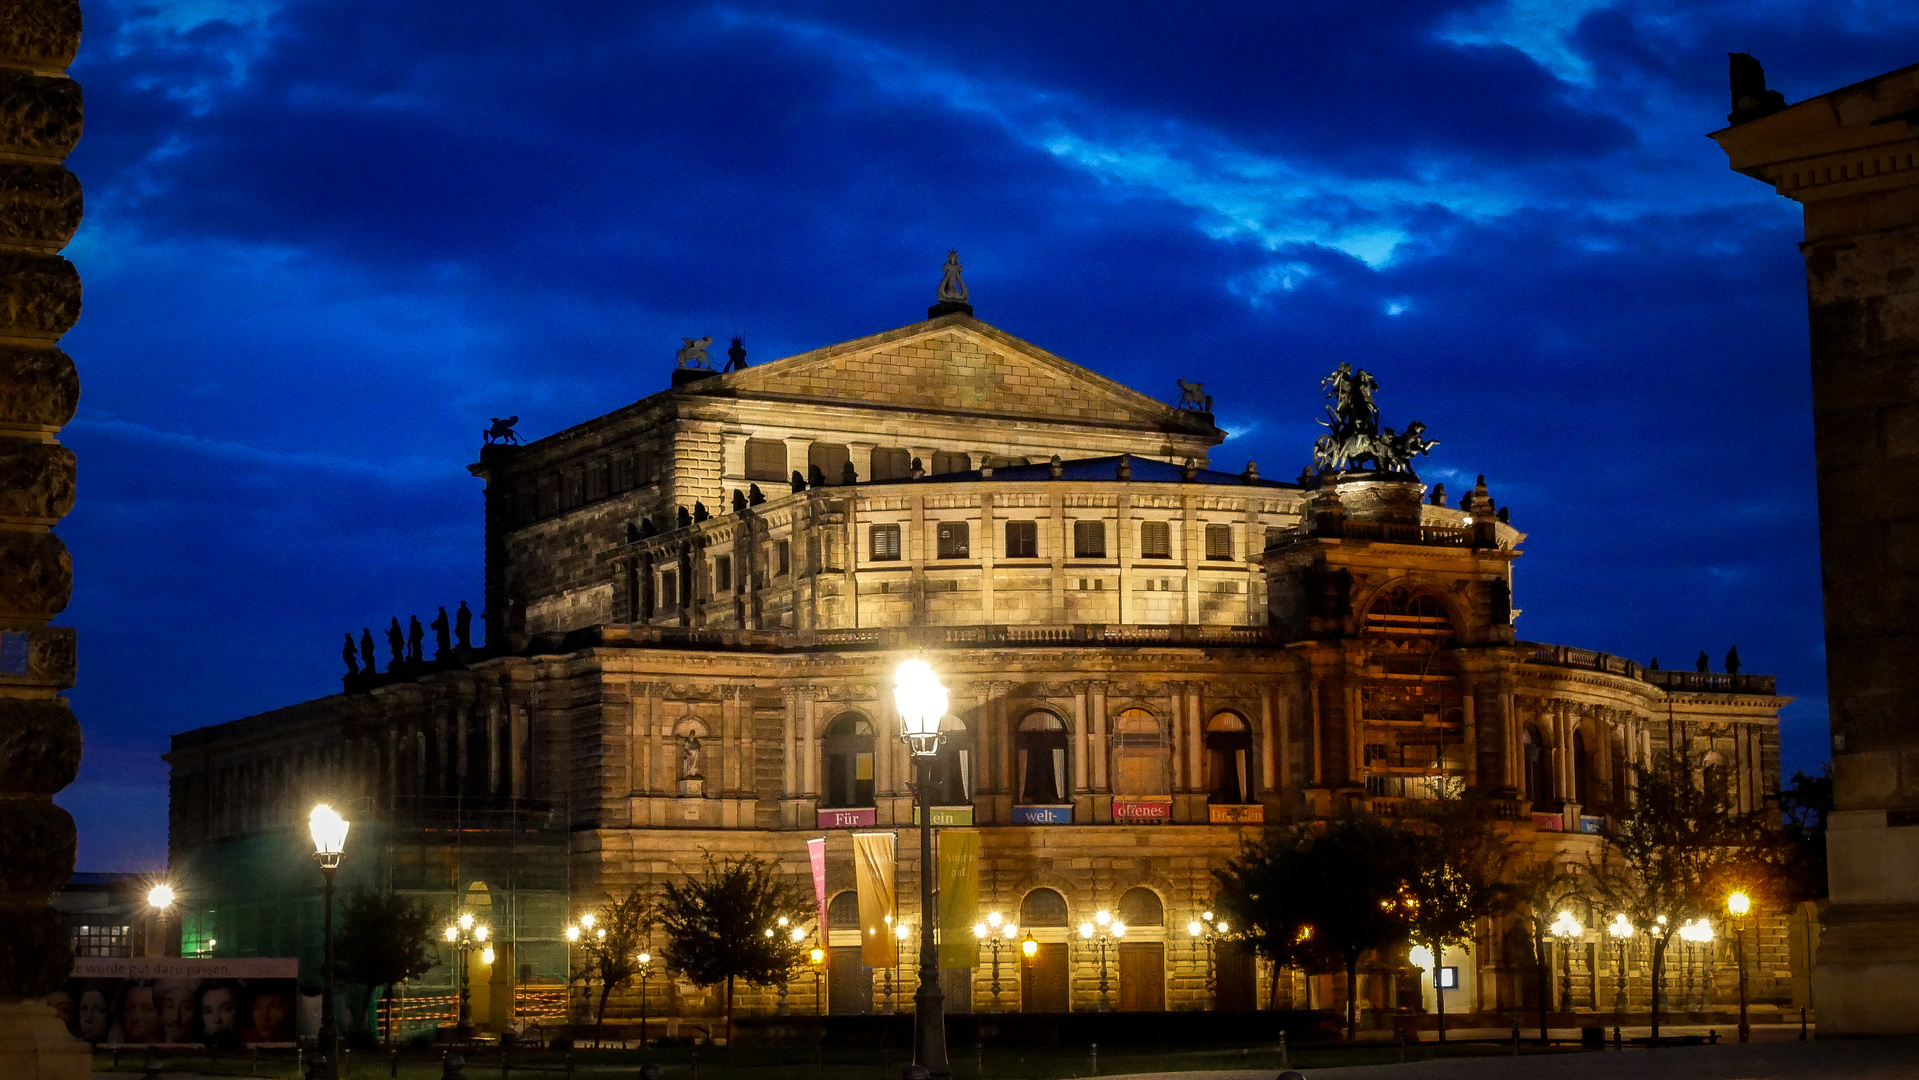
<point x="953" y="364"/>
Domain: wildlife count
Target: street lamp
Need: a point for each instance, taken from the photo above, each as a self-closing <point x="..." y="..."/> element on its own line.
<point x="998" y="934"/>
<point x="646" y="969"/>
<point x="817" y="958"/>
<point x="921" y="701"/>
<point x="1621" y="931"/>
<point x="1566" y="928"/>
<point x="1103" y="931"/>
<point x="465" y="935"/>
<point x="1738" y="905"/>
<point x="1205" y="931"/>
<point x="160" y="898"/>
<point x="328" y="830"/>
<point x="1697" y="934"/>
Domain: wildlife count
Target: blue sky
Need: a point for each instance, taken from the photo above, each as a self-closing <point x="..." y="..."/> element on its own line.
<point x="326" y="241"/>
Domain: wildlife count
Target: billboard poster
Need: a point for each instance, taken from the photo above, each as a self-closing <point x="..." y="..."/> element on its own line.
<point x="143" y="1001"/>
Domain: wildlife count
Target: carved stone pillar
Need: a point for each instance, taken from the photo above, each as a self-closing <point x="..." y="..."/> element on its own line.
<point x="40" y="119"/>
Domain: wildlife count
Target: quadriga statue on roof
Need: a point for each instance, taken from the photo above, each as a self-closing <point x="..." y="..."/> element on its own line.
<point x="1356" y="438"/>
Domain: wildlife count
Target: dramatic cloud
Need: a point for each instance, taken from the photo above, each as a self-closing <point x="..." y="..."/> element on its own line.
<point x="326" y="241"/>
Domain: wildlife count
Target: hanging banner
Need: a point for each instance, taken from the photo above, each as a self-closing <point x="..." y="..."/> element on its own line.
<point x="816" y="854"/>
<point x="959" y="897"/>
<point x="143" y="1001"/>
<point x="873" y="876"/>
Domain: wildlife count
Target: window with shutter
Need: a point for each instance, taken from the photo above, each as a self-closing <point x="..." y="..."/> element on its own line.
<point x="765" y="459"/>
<point x="1022" y="539"/>
<point x="954" y="540"/>
<point x="1089" y="539"/>
<point x="944" y="462"/>
<point x="892" y="463"/>
<point x="830" y="459"/>
<point x="1219" y="542"/>
<point x="884" y="542"/>
<point x="1155" y="540"/>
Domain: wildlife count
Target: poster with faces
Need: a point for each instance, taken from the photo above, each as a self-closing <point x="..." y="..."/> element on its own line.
<point x="145" y="1001"/>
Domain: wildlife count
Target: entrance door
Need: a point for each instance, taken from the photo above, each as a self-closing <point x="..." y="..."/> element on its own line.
<point x="1142" y="976"/>
<point x="1043" y="979"/>
<point x="849" y="983"/>
<point x="1238" y="986"/>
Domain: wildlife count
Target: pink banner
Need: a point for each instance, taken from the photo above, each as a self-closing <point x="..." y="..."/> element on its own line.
<point x="816" y="853"/>
<point x="1142" y="809"/>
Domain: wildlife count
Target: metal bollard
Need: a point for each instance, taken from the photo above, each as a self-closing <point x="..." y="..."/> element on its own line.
<point x="1095" y="1059"/>
<point x="1712" y="1036"/>
<point x="1618" y="1038"/>
<point x="696" y="1065"/>
<point x="1515" y="1039"/>
<point x="152" y="1064"/>
<point x="393" y="1067"/>
<point x="452" y="1066"/>
<point x="1283" y="1055"/>
<point x="1802" y="1023"/>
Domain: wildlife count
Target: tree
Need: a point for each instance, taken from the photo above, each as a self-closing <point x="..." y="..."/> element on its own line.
<point x="719" y="926"/>
<point x="1677" y="851"/>
<point x="385" y="939"/>
<point x="613" y="949"/>
<point x="1333" y="888"/>
<point x="1457" y="861"/>
<point x="1804" y="804"/>
<point x="1545" y="888"/>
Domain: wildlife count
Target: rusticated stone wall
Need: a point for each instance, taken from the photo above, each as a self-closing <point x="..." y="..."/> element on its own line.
<point x="40" y="121"/>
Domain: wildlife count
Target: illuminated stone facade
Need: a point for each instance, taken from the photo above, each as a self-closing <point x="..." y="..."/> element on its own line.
<point x="1148" y="659"/>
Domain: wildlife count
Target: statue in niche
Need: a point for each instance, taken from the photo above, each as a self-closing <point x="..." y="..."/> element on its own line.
<point x="463" y="626"/>
<point x="442" y="634"/>
<point x="952" y="289"/>
<point x="690" y="757"/>
<point x="693" y="353"/>
<point x="350" y="655"/>
<point x="396" y="643"/>
<point x="366" y="650"/>
<point x="502" y="431"/>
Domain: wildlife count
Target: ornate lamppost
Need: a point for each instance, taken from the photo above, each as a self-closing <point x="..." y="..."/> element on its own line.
<point x="1739" y="905"/>
<point x="465" y="935"/>
<point x="1104" y="930"/>
<point x="921" y="701"/>
<point x="796" y="935"/>
<point x="998" y="934"/>
<point x="1621" y="931"/>
<point x="328" y="830"/>
<point x="1694" y="934"/>
<point x="160" y="899"/>
<point x="592" y="933"/>
<point x="1205" y="932"/>
<point x="817" y="958"/>
<point x="1566" y="929"/>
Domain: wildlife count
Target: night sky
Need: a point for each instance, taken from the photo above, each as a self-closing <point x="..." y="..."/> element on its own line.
<point x="325" y="242"/>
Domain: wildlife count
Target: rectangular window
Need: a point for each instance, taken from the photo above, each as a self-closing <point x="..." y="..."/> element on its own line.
<point x="892" y="463"/>
<point x="885" y="542"/>
<point x="1224" y="588"/>
<point x="954" y="539"/>
<point x="669" y="590"/>
<point x="1089" y="539"/>
<point x="645" y="467"/>
<point x="1219" y="542"/>
<point x="1022" y="539"/>
<point x="830" y="459"/>
<point x="783" y="556"/>
<point x="1155" y="540"/>
<point x="944" y="462"/>
<point x="722" y="573"/>
<point x="765" y="459"/>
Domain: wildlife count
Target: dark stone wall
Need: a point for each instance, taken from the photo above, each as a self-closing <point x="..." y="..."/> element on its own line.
<point x="40" y="205"/>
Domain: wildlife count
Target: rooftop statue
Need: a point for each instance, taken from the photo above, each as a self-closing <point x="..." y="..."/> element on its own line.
<point x="1356" y="437"/>
<point x="952" y="289"/>
<point x="502" y="431"/>
<point x="693" y="353"/>
<point x="1193" y="395"/>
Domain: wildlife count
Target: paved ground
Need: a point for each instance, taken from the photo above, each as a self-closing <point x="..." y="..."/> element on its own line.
<point x="1861" y="1059"/>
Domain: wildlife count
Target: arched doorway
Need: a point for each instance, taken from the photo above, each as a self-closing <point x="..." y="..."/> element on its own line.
<point x="1539" y="776"/>
<point x="1045" y="977"/>
<point x="1041" y="742"/>
<point x="1142" y="955"/>
<point x="849" y="982"/>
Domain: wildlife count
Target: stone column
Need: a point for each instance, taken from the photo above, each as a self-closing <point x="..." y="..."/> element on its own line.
<point x="1847" y="157"/>
<point x="40" y="120"/>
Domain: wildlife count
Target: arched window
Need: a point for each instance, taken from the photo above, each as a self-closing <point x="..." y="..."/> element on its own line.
<point x="1400" y="610"/>
<point x="1229" y="750"/>
<point x="1718" y="780"/>
<point x="953" y="768"/>
<point x="1539" y="774"/>
<point x="849" y="761"/>
<point x="1041" y="741"/>
<point x="1043" y="907"/>
<point x="1140" y="908"/>
<point x="1141" y="759"/>
<point x="1582" y="770"/>
<point x="843" y="911"/>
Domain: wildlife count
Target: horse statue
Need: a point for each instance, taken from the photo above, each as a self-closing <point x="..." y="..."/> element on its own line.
<point x="693" y="353"/>
<point x="1399" y="450"/>
<point x="1193" y="395"/>
<point x="502" y="431"/>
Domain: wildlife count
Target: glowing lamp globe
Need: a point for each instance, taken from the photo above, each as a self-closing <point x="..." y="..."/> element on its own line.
<point x="819" y="955"/>
<point x="160" y="896"/>
<point x="486" y="955"/>
<point x="645" y="958"/>
<point x="979" y="929"/>
<point x="921" y="701"/>
<point x="328" y="830"/>
<point x="1620" y="927"/>
<point x="1029" y="947"/>
<point x="1086" y="930"/>
<point x="453" y="933"/>
<point x="1119" y="929"/>
<point x="1738" y="903"/>
<point x="572" y="933"/>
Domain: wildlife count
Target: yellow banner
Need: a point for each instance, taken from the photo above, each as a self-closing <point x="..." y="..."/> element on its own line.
<point x="959" y="897"/>
<point x="873" y="876"/>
